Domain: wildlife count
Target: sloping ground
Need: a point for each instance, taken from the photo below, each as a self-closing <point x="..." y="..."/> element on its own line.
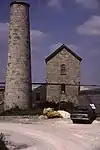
<point x="56" y="134"/>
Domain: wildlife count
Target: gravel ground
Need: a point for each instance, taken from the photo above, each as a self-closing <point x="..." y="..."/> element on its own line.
<point x="56" y="134"/>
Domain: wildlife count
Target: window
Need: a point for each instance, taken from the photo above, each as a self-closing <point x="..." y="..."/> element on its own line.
<point x="63" y="69"/>
<point x="38" y="96"/>
<point x="62" y="88"/>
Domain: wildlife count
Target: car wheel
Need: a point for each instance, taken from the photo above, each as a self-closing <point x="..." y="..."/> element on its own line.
<point x="74" y="121"/>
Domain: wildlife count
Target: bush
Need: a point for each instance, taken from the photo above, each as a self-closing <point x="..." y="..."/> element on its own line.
<point x="20" y="112"/>
<point x="67" y="106"/>
<point x="38" y="109"/>
<point x="3" y="142"/>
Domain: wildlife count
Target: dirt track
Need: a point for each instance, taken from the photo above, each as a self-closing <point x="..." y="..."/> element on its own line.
<point x="53" y="135"/>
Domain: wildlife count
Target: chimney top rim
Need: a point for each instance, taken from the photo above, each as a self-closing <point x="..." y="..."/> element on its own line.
<point x="20" y="2"/>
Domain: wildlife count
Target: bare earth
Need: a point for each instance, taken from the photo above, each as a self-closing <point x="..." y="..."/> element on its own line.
<point x="52" y="135"/>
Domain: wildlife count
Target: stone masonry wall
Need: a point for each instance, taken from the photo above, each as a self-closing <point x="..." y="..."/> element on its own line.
<point x="42" y="91"/>
<point x="83" y="99"/>
<point x="1" y="100"/>
<point x="1" y="95"/>
<point x="72" y="77"/>
<point x="18" y="74"/>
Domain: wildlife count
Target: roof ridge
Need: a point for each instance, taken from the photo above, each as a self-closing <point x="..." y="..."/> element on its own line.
<point x="59" y="49"/>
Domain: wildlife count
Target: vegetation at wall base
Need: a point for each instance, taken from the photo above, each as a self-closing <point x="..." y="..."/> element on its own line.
<point x="3" y="142"/>
<point x="21" y="112"/>
<point x="38" y="109"/>
<point x="66" y="106"/>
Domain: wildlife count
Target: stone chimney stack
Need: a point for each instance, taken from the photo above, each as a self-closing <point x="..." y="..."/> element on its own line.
<point x="18" y="74"/>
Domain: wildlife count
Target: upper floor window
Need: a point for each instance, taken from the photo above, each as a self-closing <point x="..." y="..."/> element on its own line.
<point x="63" y="69"/>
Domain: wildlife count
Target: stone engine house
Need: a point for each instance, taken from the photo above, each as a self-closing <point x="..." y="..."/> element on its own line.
<point x="62" y="67"/>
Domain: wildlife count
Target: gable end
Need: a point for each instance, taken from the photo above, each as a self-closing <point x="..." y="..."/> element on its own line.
<point x="60" y="49"/>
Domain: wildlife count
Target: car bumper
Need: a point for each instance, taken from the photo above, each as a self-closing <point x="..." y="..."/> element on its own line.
<point x="80" y="119"/>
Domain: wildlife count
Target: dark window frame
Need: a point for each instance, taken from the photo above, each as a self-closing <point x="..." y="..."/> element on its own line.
<point x="63" y="69"/>
<point x="38" y="96"/>
<point x="63" y="88"/>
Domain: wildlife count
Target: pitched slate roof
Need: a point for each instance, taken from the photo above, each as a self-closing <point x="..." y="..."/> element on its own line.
<point x="60" y="49"/>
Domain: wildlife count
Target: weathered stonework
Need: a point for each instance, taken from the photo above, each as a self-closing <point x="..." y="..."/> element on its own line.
<point x="54" y="76"/>
<point x="42" y="91"/>
<point x="1" y="99"/>
<point x="18" y="74"/>
<point x="1" y="95"/>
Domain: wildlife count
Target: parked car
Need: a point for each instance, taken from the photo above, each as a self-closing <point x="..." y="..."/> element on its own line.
<point x="83" y="114"/>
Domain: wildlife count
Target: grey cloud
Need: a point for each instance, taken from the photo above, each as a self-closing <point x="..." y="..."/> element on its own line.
<point x="90" y="27"/>
<point x="92" y="4"/>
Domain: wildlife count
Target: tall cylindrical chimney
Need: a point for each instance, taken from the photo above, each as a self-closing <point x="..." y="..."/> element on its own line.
<point x="18" y="73"/>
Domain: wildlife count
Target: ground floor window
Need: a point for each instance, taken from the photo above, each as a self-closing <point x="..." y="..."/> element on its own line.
<point x="63" y="88"/>
<point x="37" y="96"/>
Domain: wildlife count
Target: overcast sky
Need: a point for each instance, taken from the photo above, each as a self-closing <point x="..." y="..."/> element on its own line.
<point x="75" y="23"/>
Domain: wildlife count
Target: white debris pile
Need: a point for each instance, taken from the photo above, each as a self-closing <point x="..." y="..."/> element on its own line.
<point x="51" y="113"/>
<point x="64" y="114"/>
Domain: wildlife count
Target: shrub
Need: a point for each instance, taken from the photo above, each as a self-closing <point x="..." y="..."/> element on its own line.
<point x="67" y="106"/>
<point x="3" y="142"/>
<point x="20" y="112"/>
